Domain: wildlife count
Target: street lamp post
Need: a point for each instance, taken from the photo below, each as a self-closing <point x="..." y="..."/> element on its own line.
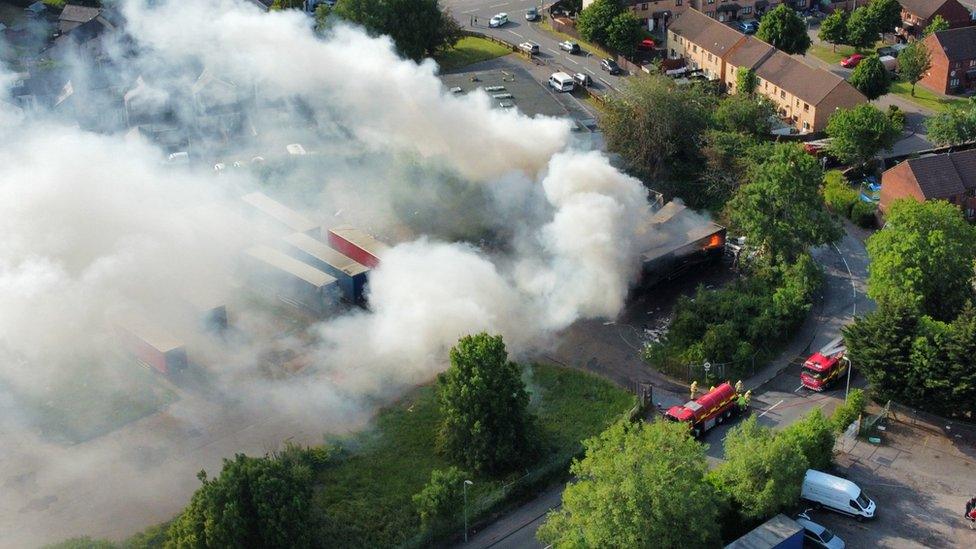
<point x="849" y="368"/>
<point x="464" y="489"/>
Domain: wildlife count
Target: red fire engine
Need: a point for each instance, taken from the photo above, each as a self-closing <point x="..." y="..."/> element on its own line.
<point x="708" y="410"/>
<point x="825" y="367"/>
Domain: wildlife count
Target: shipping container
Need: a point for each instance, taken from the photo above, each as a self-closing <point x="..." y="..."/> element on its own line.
<point x="357" y="244"/>
<point x="284" y="215"/>
<point x="350" y="273"/>
<point x="779" y="532"/>
<point x="291" y="280"/>
<point x="153" y="346"/>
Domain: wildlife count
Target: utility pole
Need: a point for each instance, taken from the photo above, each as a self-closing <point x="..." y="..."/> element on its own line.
<point x="465" y="490"/>
<point x="849" y="368"/>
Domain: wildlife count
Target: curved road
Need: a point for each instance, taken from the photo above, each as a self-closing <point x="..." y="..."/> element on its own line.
<point x="777" y="398"/>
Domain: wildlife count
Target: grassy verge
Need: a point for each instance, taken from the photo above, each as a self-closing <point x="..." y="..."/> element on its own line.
<point x="924" y="97"/>
<point x="825" y="52"/>
<point x="367" y="497"/>
<point x="470" y="50"/>
<point x="586" y="46"/>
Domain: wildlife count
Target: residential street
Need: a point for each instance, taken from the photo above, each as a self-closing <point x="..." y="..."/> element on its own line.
<point x="778" y="400"/>
<point x="519" y="30"/>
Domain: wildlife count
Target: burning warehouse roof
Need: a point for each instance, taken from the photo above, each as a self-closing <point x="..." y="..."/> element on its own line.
<point x="691" y="240"/>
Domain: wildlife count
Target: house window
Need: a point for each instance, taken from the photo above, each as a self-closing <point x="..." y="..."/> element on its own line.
<point x="806" y="125"/>
<point x="678" y="2"/>
<point x="972" y="62"/>
<point x="709" y="58"/>
<point x="746" y="10"/>
<point x="782" y="94"/>
<point x="711" y="1"/>
<point x="806" y="108"/>
<point x="644" y="7"/>
<point x="954" y="83"/>
<point x="694" y="48"/>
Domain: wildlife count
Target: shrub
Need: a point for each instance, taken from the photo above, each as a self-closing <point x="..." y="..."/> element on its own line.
<point x="838" y="194"/>
<point x="441" y="498"/>
<point x="848" y="412"/>
<point x="862" y="213"/>
<point x="814" y="437"/>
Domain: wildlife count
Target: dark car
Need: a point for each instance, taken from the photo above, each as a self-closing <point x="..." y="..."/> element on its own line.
<point x="610" y="66"/>
<point x="748" y="27"/>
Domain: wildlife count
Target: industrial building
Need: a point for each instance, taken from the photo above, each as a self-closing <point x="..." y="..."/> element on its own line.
<point x="290" y="280"/>
<point x="350" y="274"/>
<point x="283" y="215"/>
<point x="684" y="240"/>
<point x="357" y="244"/>
<point x="153" y="346"/>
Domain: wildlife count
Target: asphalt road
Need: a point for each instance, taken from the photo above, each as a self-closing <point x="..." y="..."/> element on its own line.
<point x="778" y="398"/>
<point x="518" y="30"/>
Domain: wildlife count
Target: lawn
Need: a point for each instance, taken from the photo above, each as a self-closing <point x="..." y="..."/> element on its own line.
<point x="469" y="50"/>
<point x="825" y="52"/>
<point x="367" y="497"/>
<point x="924" y="97"/>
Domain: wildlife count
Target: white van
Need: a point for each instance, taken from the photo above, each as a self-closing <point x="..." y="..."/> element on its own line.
<point x="836" y="494"/>
<point x="561" y="82"/>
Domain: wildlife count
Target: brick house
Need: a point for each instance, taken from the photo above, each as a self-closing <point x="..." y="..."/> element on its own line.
<point x="655" y="14"/>
<point x="917" y="14"/>
<point x="948" y="176"/>
<point x="953" y="53"/>
<point x="804" y="96"/>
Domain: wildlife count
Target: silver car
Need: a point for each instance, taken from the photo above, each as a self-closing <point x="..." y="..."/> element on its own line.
<point x="818" y="534"/>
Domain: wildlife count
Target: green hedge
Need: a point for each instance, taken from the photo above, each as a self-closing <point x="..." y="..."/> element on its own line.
<point x="838" y="194"/>
<point x="849" y="411"/>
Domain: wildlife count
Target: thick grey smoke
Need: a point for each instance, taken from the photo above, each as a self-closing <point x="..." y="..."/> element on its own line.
<point x="98" y="230"/>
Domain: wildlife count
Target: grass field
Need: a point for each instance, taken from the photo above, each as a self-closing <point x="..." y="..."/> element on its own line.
<point x="924" y="97"/>
<point x="469" y="50"/>
<point x="367" y="497"/>
<point x="825" y="52"/>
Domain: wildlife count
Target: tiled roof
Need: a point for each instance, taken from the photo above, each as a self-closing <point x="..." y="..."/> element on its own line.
<point x="707" y="33"/>
<point x="958" y="44"/>
<point x="922" y="8"/>
<point x="809" y="84"/>
<point x="749" y="53"/>
<point x="944" y="175"/>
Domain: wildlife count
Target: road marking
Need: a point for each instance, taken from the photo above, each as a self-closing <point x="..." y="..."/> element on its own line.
<point x="499" y="5"/>
<point x="470" y="11"/>
<point x="591" y="72"/>
<point x="516" y="34"/>
<point x="553" y="51"/>
<point x="604" y="80"/>
<point x="770" y="409"/>
<point x="573" y="61"/>
<point x="798" y="388"/>
<point x="851" y="276"/>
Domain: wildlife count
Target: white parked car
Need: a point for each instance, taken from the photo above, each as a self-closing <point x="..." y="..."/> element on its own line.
<point x="498" y="20"/>
<point x="529" y="47"/>
<point x="817" y="534"/>
<point x="571" y="47"/>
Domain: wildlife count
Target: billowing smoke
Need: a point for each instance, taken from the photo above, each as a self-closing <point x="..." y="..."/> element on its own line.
<point x="99" y="230"/>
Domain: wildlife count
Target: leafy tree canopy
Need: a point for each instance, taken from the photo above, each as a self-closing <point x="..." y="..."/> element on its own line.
<point x="862" y="31"/>
<point x="487" y="426"/>
<point x="833" y="28"/>
<point x="886" y="14"/>
<point x="594" y="22"/>
<point x="746" y="80"/>
<point x="624" y="32"/>
<point x="746" y="114"/>
<point x="635" y="485"/>
<point x="858" y="134"/>
<point x="953" y="126"/>
<point x="924" y="257"/>
<point x="813" y="436"/>
<point x="781" y="210"/>
<point x="938" y="24"/>
<point x="913" y="62"/>
<point x="785" y="29"/>
<point x="871" y="78"/>
<point x="441" y="499"/>
<point x="418" y="27"/>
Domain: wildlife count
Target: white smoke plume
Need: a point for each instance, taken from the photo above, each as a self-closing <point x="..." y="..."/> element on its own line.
<point x="97" y="230"/>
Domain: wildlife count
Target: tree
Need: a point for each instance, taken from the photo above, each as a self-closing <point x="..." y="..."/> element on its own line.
<point x="862" y="31"/>
<point x="848" y="412"/>
<point x="886" y="15"/>
<point x="746" y="80"/>
<point x="833" y="29"/>
<point x="783" y="28"/>
<point x="871" y="78"/>
<point x="913" y="62"/>
<point x="762" y="472"/>
<point x="924" y="257"/>
<point x="814" y="437"/>
<point x="729" y="155"/>
<point x="288" y="5"/>
<point x="654" y="125"/>
<point x="593" y="23"/>
<point x="255" y="502"/>
<point x="780" y="210"/>
<point x="487" y="426"/>
<point x="879" y="346"/>
<point x="418" y="27"/>
<point x="953" y="126"/>
<point x="746" y="114"/>
<point x="858" y="134"/>
<point x="635" y="484"/>
<point x="938" y="24"/>
<point x="624" y="32"/>
<point x="441" y="499"/>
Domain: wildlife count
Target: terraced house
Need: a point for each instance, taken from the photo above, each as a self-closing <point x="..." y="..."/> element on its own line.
<point x="805" y="96"/>
<point x="657" y="13"/>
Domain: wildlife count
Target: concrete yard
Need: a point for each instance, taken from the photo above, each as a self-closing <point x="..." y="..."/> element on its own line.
<point x="920" y="480"/>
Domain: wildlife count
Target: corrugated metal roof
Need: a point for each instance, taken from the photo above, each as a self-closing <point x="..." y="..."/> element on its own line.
<point x="361" y="239"/>
<point x="290" y="265"/>
<point x="768" y="534"/>
<point x="321" y="251"/>
<point x="287" y="216"/>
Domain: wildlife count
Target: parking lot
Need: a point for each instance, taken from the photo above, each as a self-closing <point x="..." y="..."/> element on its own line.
<point x="920" y="481"/>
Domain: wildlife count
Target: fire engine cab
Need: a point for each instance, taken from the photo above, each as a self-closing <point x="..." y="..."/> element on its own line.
<point x="825" y="367"/>
<point x="714" y="407"/>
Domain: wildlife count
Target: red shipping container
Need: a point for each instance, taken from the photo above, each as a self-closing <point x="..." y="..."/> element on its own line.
<point x="357" y="244"/>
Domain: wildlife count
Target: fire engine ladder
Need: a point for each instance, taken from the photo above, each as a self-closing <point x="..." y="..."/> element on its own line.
<point x="834" y="348"/>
